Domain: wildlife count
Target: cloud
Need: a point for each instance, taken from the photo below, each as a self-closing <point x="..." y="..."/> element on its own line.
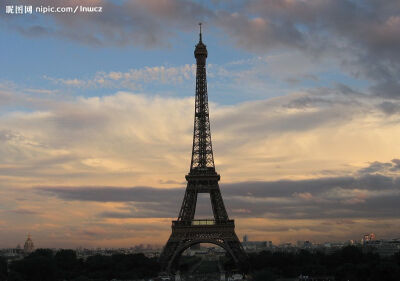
<point x="132" y="79"/>
<point x="125" y="135"/>
<point x="303" y="162"/>
<point x="84" y="154"/>
<point x="141" y="23"/>
<point x="364" y="34"/>
<point x="22" y="211"/>
<point x="360" y="39"/>
<point x="113" y="194"/>
<point x="381" y="168"/>
<point x="369" y="196"/>
<point x="390" y="107"/>
<point x="371" y="25"/>
<point x="42" y="91"/>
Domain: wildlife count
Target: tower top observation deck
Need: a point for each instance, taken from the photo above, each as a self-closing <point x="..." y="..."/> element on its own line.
<point x="201" y="48"/>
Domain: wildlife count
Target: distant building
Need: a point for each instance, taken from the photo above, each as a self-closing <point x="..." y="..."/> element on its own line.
<point x="300" y="243"/>
<point x="29" y="247"/>
<point x="18" y="249"/>
<point x="368" y="237"/>
<point x="383" y="247"/>
<point x="254" y="246"/>
<point x="308" y="278"/>
<point x="304" y="244"/>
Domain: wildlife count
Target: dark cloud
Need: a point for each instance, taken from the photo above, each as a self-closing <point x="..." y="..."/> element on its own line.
<point x="395" y="165"/>
<point x="362" y="36"/>
<point x="171" y="182"/>
<point x="389" y="108"/>
<point x="375" y="167"/>
<point x="113" y="194"/>
<point x="148" y="23"/>
<point x="381" y="167"/>
<point x="388" y="88"/>
<point x="371" y="195"/>
<point x="370" y="25"/>
<point x="322" y="97"/>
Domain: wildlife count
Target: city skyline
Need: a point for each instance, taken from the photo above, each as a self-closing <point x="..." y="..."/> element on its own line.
<point x="96" y="122"/>
<point x="245" y="239"/>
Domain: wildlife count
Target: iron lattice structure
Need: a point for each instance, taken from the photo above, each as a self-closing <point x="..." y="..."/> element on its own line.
<point x="202" y="178"/>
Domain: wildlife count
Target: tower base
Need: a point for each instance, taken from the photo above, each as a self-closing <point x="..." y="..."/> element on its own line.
<point x="186" y="234"/>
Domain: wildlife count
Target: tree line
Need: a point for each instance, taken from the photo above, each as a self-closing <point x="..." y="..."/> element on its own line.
<point x="45" y="265"/>
<point x="349" y="263"/>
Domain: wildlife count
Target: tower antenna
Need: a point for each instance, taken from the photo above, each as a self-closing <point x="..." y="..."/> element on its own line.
<point x="200" y="31"/>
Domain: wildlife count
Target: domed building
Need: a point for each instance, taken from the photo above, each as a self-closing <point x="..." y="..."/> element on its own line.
<point x="28" y="246"/>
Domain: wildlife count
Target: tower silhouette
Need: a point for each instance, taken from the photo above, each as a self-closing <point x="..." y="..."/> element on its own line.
<point x="202" y="178"/>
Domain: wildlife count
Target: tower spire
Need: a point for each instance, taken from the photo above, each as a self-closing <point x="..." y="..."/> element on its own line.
<point x="200" y="32"/>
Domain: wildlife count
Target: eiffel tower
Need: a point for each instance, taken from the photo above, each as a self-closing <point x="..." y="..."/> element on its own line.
<point x="202" y="178"/>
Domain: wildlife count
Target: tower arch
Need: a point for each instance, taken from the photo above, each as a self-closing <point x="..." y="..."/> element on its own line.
<point x="172" y="265"/>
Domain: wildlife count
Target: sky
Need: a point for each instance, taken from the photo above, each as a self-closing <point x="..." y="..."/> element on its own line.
<point x="96" y="119"/>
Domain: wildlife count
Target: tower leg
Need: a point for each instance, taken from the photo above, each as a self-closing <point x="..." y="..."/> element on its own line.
<point x="168" y="253"/>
